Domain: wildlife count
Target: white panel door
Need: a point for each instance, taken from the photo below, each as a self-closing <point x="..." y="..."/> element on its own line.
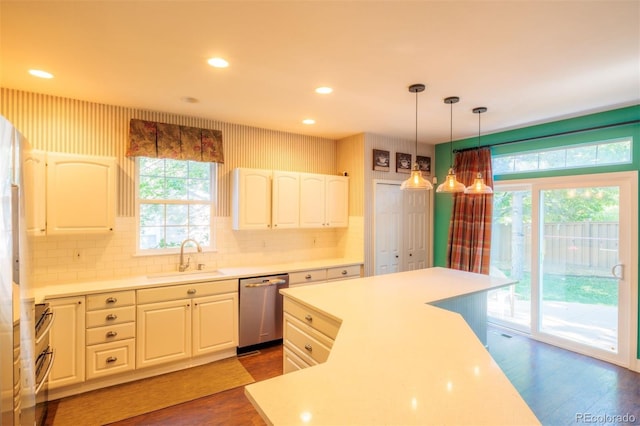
<point x="35" y="180"/>
<point x="312" y="200"/>
<point x="414" y="238"/>
<point x="251" y="199"/>
<point x="388" y="226"/>
<point x="215" y="323"/>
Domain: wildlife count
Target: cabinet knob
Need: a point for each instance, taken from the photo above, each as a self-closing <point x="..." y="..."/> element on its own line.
<point x="112" y="333"/>
<point x="308" y="317"/>
<point x="111" y="359"/>
<point x="344" y="272"/>
<point x="308" y="347"/>
<point x="191" y="291"/>
<point x="111" y="300"/>
<point x="307" y="277"/>
<point x="111" y="317"/>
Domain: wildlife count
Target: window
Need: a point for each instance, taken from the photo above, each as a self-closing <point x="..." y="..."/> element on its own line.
<point x="604" y="153"/>
<point x="175" y="202"/>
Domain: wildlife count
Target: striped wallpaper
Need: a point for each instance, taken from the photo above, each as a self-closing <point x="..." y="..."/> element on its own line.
<point x="57" y="124"/>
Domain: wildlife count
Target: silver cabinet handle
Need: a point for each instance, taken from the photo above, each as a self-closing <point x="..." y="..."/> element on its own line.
<point x="111" y="317"/>
<point x="308" y="347"/>
<point x="111" y="300"/>
<point x="308" y="276"/>
<point x="112" y="333"/>
<point x="308" y="317"/>
<point x="191" y="291"/>
<point x="111" y="359"/>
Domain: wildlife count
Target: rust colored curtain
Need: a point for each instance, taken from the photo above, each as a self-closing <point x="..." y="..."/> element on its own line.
<point x="469" y="244"/>
<point x="161" y="140"/>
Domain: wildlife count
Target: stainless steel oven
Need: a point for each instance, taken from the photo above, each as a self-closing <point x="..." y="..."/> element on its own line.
<point x="44" y="317"/>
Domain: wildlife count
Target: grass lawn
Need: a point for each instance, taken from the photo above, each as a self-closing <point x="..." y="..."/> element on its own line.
<point x="579" y="289"/>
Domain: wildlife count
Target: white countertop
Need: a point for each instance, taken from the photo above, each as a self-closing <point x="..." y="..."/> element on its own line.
<point x="171" y="278"/>
<point x="396" y="359"/>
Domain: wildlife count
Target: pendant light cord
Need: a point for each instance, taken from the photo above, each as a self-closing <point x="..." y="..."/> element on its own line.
<point x="451" y="135"/>
<point x="416" y="128"/>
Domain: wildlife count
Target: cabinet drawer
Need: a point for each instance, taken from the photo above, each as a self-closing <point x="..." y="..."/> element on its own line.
<point x="176" y="292"/>
<point x="111" y="333"/>
<point x="305" y="277"/>
<point x="292" y="362"/>
<point x="304" y="341"/>
<point x="111" y="316"/>
<point x="110" y="358"/>
<point x="111" y="300"/>
<point x="312" y="318"/>
<point x="343" y="272"/>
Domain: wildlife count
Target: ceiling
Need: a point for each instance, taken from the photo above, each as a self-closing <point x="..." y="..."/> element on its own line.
<point x="528" y="62"/>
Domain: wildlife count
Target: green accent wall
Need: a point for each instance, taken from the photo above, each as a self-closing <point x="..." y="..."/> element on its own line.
<point x="443" y="202"/>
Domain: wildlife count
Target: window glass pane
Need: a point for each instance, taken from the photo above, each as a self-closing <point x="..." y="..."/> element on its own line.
<point x="200" y="234"/>
<point x="502" y="164"/>
<point x="151" y="188"/>
<point x="581" y="156"/>
<point x="151" y="237"/>
<point x="152" y="214"/>
<point x="199" y="189"/>
<point x="177" y="168"/>
<point x="199" y="215"/>
<point x="176" y="189"/>
<point x="176" y="235"/>
<point x="552" y="159"/>
<point x="614" y="152"/>
<point x="526" y="162"/>
<point x="199" y="170"/>
<point x="177" y="214"/>
<point x="151" y="167"/>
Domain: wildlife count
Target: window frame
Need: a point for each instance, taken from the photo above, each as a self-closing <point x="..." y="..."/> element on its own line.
<point x="213" y="170"/>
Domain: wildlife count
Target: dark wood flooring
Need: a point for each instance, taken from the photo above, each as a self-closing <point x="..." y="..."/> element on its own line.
<point x="561" y="387"/>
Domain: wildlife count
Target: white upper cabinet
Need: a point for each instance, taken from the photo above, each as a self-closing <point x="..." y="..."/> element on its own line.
<point x="266" y="199"/>
<point x="68" y="193"/>
<point x="80" y="194"/>
<point x="251" y="199"/>
<point x="285" y="200"/>
<point x="324" y="201"/>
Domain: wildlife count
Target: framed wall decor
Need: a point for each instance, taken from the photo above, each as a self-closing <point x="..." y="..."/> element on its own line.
<point x="424" y="164"/>
<point x="381" y="160"/>
<point x="403" y="163"/>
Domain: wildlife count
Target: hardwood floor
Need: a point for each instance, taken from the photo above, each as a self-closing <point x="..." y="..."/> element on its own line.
<point x="559" y="386"/>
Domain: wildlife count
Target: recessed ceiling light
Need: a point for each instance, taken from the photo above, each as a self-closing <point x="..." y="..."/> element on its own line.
<point x="218" y="63"/>
<point x="309" y="121"/>
<point x="324" y="90"/>
<point x="40" y="73"/>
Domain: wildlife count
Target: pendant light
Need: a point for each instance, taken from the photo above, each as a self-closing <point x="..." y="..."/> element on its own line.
<point x="478" y="186"/>
<point x="450" y="183"/>
<point x="416" y="181"/>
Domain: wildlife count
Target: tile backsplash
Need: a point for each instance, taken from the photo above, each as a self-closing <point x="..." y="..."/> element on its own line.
<point x="73" y="258"/>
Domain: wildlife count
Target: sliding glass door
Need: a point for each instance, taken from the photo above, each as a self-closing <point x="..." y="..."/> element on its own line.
<point x="569" y="241"/>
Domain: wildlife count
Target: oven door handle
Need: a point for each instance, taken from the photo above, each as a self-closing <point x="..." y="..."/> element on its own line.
<point x="46" y="330"/>
<point x="46" y="374"/>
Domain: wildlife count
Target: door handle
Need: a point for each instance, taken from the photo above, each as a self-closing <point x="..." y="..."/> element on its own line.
<point x="616" y="268"/>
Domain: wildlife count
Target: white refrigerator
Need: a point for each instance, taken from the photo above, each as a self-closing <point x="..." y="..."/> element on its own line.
<point x="17" y="391"/>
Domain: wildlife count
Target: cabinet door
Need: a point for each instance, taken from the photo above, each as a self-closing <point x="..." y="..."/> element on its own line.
<point x="337" y="201"/>
<point x="163" y="332"/>
<point x="80" y="194"/>
<point x="286" y="200"/>
<point x="35" y="179"/>
<point x="67" y="340"/>
<point x="312" y="200"/>
<point x="251" y="199"/>
<point x="215" y="323"/>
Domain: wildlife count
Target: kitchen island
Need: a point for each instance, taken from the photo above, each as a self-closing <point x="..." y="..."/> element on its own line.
<point x="395" y="359"/>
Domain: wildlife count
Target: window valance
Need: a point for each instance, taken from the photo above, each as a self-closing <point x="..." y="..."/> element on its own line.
<point x="162" y="140"/>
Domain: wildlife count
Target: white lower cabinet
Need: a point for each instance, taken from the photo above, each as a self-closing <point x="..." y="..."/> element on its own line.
<point x="178" y="322"/>
<point x="308" y="336"/>
<point x="316" y="276"/>
<point x="68" y="341"/>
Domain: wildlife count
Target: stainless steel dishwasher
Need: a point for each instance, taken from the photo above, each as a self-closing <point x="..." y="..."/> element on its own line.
<point x="260" y="310"/>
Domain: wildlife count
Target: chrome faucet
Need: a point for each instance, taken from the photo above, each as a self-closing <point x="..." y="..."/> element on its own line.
<point x="184" y="266"/>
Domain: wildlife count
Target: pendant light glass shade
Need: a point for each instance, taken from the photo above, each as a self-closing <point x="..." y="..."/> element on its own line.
<point x="478" y="186"/>
<point x="416" y="181"/>
<point x="450" y="183"/>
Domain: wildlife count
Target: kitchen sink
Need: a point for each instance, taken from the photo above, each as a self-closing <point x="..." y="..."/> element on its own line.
<point x="207" y="272"/>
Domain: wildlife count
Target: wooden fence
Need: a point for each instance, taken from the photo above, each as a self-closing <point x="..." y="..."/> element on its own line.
<point x="583" y="248"/>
